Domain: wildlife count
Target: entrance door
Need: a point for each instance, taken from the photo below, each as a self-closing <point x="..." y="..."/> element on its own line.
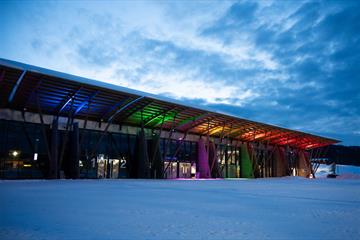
<point x="177" y="170"/>
<point x="171" y="169"/>
<point x="113" y="168"/>
<point x="101" y="163"/>
<point x="107" y="168"/>
<point x="185" y="170"/>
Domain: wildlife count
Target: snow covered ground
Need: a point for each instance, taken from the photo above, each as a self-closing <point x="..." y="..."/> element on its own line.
<point x="343" y="171"/>
<point x="282" y="208"/>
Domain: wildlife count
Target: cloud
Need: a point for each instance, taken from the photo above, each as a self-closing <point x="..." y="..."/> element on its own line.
<point x="293" y="64"/>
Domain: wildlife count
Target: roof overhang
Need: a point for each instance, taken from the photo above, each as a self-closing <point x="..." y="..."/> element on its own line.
<point x="27" y="87"/>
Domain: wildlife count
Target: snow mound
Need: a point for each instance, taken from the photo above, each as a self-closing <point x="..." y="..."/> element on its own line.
<point x="348" y="176"/>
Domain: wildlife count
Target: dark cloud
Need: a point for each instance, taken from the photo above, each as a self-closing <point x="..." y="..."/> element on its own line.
<point x="319" y="53"/>
<point x="238" y="18"/>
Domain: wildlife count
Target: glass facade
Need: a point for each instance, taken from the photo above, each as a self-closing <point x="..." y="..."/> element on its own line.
<point x="180" y="156"/>
<point x="24" y="155"/>
<point x="22" y="151"/>
<point x="229" y="160"/>
<point x="112" y="158"/>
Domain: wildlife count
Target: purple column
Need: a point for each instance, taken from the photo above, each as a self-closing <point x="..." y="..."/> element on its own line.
<point x="203" y="160"/>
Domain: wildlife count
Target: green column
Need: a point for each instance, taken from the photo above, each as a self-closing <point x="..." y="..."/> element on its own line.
<point x="246" y="169"/>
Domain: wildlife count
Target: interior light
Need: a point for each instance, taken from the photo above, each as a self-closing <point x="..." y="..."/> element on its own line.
<point x="15" y="153"/>
<point x="27" y="165"/>
<point x="193" y="169"/>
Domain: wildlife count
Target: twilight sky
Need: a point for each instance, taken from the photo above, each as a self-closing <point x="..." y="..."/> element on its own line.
<point x="289" y="63"/>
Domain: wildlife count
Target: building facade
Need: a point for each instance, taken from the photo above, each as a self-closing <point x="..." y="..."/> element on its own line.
<point x="55" y="125"/>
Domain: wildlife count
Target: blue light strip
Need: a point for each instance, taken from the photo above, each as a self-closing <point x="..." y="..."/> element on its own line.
<point x="71" y="98"/>
<point x="65" y="104"/>
<point x="18" y="82"/>
<point x="82" y="105"/>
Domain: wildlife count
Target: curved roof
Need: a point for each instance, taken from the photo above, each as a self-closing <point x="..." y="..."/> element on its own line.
<point x="32" y="88"/>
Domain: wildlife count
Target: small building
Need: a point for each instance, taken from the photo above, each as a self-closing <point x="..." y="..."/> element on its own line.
<point x="56" y="125"/>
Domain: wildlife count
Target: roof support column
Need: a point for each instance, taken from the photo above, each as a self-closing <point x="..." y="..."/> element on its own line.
<point x="53" y="169"/>
<point x="75" y="152"/>
<point x="111" y="118"/>
<point x="157" y="167"/>
<point x="176" y="152"/>
<point x="168" y="143"/>
<point x="69" y="123"/>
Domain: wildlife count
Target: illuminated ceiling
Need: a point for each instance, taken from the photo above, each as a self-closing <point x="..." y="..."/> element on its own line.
<point x="32" y="88"/>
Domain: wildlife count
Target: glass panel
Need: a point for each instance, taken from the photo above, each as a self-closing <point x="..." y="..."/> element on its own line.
<point x="171" y="169"/>
<point x="21" y="151"/>
<point x="185" y="170"/>
<point x="101" y="162"/>
<point x="114" y="168"/>
<point x="123" y="167"/>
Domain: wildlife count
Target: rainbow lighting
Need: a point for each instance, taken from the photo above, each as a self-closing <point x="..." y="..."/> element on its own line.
<point x="78" y="119"/>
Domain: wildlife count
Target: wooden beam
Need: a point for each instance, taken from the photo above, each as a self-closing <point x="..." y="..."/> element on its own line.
<point x="111" y="118"/>
<point x="193" y="122"/>
<point x="134" y="110"/>
<point x="215" y="129"/>
<point x="285" y="135"/>
<point x="157" y="115"/>
<point x="115" y="106"/>
<point x="243" y="130"/>
<point x="33" y="93"/>
<point x="237" y="129"/>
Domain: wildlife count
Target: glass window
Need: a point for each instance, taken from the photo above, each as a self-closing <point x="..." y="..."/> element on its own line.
<point x="21" y="151"/>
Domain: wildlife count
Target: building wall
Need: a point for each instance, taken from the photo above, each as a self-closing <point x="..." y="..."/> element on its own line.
<point x="24" y="152"/>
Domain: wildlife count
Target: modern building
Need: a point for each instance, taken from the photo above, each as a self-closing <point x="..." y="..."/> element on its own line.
<point x="56" y="125"/>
